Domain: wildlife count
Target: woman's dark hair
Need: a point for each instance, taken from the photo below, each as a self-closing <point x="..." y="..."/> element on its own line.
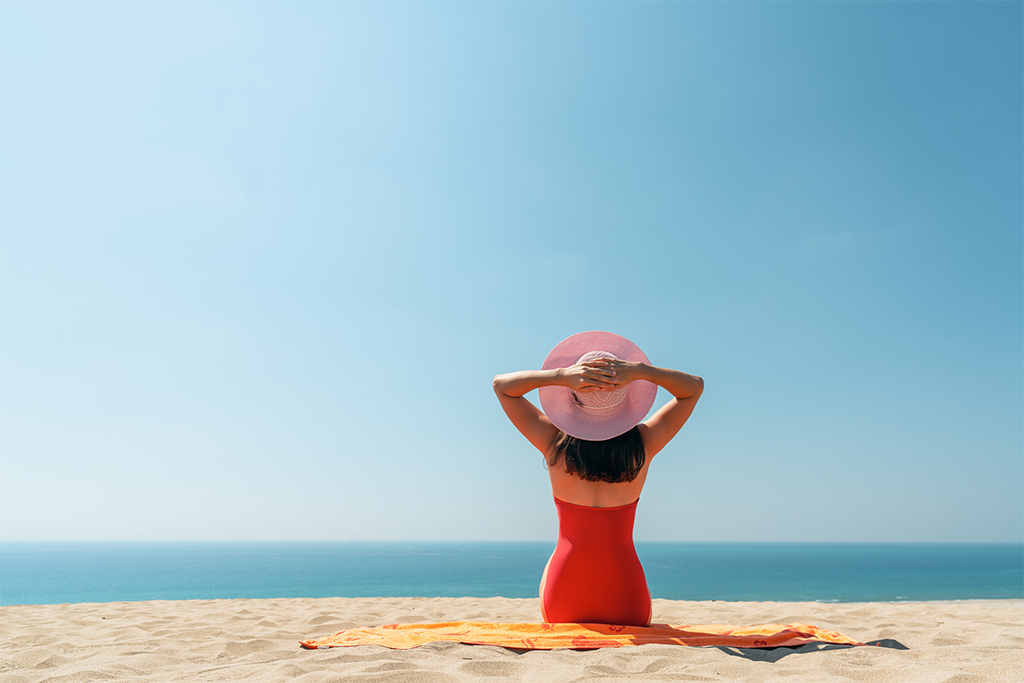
<point x="614" y="460"/>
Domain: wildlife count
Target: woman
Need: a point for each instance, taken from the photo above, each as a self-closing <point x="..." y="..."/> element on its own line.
<point x="595" y="387"/>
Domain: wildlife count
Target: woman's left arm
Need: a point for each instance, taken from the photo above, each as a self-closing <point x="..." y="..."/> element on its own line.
<point x="528" y="418"/>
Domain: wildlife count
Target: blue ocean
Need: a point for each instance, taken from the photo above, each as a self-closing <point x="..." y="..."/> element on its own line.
<point x="50" y="573"/>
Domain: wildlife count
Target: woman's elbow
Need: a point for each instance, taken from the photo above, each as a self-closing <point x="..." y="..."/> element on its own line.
<point x="695" y="389"/>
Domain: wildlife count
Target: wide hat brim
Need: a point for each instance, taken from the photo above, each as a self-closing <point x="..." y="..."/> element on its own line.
<point x="560" y="406"/>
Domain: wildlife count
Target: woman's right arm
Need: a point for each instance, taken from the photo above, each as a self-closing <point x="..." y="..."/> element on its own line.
<point x="666" y="423"/>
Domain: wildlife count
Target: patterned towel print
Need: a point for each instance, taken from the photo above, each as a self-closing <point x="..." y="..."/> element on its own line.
<point x="579" y="636"/>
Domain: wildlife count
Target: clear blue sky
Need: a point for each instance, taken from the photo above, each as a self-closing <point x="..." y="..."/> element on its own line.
<point x="260" y="261"/>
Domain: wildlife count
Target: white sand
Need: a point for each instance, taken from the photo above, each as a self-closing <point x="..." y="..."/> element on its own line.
<point x="257" y="640"/>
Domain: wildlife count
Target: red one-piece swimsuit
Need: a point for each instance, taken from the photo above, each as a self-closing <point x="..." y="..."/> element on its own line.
<point x="594" y="575"/>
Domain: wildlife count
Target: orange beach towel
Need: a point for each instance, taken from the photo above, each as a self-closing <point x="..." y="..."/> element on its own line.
<point x="578" y="636"/>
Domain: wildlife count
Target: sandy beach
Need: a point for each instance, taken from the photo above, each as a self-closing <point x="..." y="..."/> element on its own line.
<point x="257" y="640"/>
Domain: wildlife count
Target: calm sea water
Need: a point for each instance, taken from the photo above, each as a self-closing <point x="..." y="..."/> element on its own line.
<point x="48" y="573"/>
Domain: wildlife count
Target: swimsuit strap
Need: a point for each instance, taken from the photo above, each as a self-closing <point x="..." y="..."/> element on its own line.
<point x="559" y="501"/>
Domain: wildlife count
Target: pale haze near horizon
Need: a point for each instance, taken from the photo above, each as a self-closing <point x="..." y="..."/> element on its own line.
<point x="260" y="261"/>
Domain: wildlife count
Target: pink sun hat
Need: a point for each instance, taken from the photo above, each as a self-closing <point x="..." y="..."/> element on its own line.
<point x="596" y="415"/>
